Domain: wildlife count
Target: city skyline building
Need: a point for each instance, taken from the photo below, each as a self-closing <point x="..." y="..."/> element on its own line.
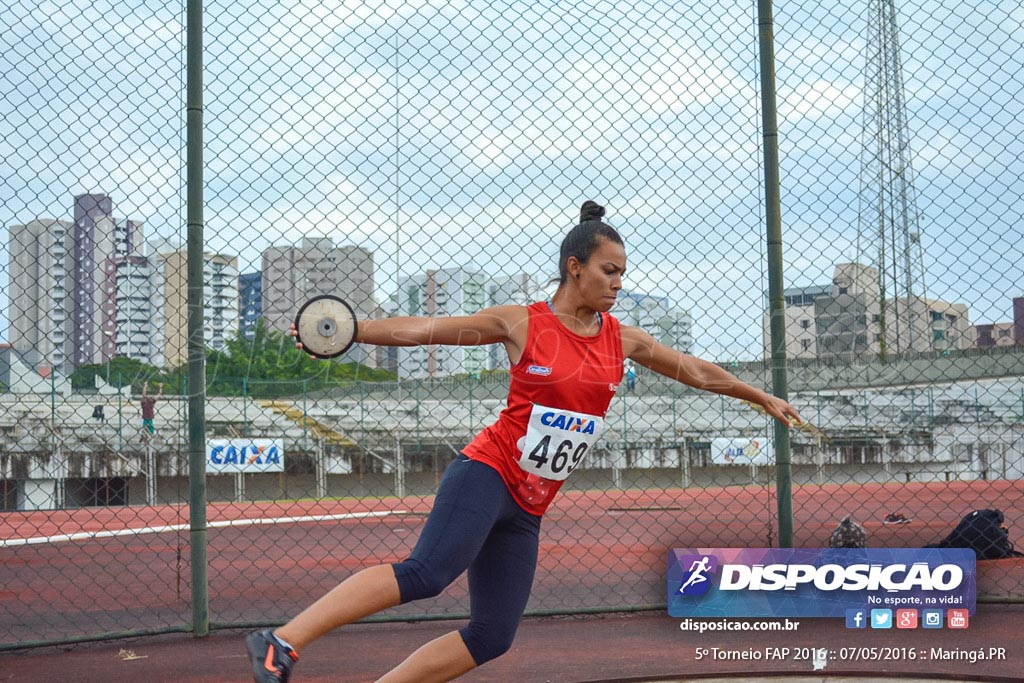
<point x="443" y="292"/>
<point x="250" y="303"/>
<point x="59" y="284"/>
<point x="39" y="297"/>
<point x="657" y="316"/>
<point x="133" y="309"/>
<point x="220" y="302"/>
<point x="97" y="235"/>
<point x="846" y="319"/>
<point x="293" y="274"/>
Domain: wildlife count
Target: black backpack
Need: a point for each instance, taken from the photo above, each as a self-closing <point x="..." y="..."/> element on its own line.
<point x="983" y="532"/>
<point x="848" y="534"/>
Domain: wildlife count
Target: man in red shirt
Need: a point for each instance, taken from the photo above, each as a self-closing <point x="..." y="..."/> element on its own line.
<point x="149" y="407"/>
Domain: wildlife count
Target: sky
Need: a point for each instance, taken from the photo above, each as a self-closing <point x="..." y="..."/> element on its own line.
<point x="466" y="133"/>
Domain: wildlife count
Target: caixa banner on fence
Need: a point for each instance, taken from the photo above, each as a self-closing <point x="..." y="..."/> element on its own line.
<point x="757" y="450"/>
<point x="249" y="456"/>
<point x="791" y="582"/>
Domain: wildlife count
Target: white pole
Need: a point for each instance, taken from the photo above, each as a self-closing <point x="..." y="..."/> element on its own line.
<point x="58" y="484"/>
<point x="321" y="470"/>
<point x="150" y="475"/>
<point x="684" y="459"/>
<point x="399" y="468"/>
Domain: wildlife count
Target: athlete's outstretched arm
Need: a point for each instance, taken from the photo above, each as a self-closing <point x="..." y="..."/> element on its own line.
<point x="647" y="351"/>
<point x="489" y="326"/>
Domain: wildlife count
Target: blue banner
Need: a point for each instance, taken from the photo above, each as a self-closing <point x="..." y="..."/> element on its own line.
<point x="819" y="582"/>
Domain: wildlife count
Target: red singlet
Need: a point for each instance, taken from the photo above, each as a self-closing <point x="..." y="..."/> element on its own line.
<point x="558" y="369"/>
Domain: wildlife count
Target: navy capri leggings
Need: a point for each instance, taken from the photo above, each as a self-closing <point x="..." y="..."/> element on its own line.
<point x="476" y="524"/>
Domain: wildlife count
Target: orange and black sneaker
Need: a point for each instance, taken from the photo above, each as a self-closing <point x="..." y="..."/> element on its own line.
<point x="271" y="660"/>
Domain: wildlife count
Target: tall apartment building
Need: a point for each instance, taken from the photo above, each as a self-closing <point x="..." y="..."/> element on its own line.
<point x="97" y="235"/>
<point x="294" y="274"/>
<point x="220" y="302"/>
<point x="59" y="283"/>
<point x="133" y="309"/>
<point x="444" y="292"/>
<point x="657" y="316"/>
<point x="250" y="303"/>
<point x="845" y="319"/>
<point x="39" y="296"/>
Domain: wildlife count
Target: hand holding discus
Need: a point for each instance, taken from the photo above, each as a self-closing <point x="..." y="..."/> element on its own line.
<point x="325" y="327"/>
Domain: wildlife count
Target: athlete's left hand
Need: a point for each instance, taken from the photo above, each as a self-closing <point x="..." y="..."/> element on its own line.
<point x="779" y="409"/>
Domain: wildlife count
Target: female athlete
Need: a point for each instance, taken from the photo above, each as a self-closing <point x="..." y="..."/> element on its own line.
<point x="566" y="357"/>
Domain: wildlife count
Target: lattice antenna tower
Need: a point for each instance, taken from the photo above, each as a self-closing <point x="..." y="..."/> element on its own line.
<point x="888" y="222"/>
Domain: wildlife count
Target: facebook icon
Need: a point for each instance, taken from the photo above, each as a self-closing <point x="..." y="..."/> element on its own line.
<point x="856" y="618"/>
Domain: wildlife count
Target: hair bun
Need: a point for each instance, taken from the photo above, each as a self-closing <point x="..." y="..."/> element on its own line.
<point x="591" y="211"/>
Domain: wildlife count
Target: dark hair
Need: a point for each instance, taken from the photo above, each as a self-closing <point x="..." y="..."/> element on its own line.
<point x="583" y="239"/>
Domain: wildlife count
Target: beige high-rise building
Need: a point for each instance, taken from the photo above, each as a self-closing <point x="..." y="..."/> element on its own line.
<point x="294" y="274"/>
<point x="220" y="302"/>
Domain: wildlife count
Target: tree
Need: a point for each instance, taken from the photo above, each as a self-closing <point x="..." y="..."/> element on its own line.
<point x="271" y="366"/>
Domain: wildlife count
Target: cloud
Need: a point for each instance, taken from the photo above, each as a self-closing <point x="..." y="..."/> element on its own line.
<point x="436" y="133"/>
<point x="818" y="99"/>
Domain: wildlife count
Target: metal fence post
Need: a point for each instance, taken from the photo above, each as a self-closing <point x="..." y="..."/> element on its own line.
<point x="773" y="219"/>
<point x="196" y="351"/>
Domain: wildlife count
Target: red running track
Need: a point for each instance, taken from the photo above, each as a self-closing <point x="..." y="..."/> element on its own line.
<point x="598" y="549"/>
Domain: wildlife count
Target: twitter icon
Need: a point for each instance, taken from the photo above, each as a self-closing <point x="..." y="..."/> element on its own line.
<point x="881" y="618"/>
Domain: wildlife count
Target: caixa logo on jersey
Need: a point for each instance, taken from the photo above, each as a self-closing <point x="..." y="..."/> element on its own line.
<point x="825" y="582"/>
<point x="568" y="423"/>
<point x="244" y="455"/>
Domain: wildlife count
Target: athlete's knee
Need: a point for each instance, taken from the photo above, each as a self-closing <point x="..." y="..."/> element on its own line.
<point x="417" y="580"/>
<point x="487" y="643"/>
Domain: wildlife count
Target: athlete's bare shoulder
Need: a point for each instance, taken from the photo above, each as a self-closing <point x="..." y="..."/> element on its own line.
<point x="634" y="340"/>
<point x="513" y="318"/>
<point x="515" y="323"/>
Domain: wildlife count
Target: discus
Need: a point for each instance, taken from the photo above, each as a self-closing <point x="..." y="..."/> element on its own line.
<point x="325" y="326"/>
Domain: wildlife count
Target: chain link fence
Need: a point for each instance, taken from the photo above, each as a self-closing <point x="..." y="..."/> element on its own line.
<point x="425" y="158"/>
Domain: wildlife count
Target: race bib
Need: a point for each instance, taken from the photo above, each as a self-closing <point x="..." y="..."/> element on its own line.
<point x="556" y="441"/>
